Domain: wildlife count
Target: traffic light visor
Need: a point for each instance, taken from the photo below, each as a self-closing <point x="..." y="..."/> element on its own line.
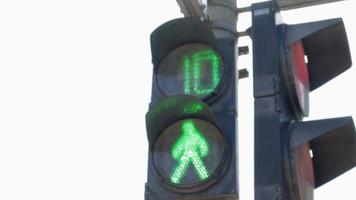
<point x="172" y="109"/>
<point x="326" y="47"/>
<point x="333" y="142"/>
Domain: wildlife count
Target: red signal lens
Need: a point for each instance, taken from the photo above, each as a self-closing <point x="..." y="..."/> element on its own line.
<point x="305" y="172"/>
<point x="301" y="76"/>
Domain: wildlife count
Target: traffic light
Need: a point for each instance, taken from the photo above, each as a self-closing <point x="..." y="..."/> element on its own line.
<point x="292" y="156"/>
<point x="191" y="122"/>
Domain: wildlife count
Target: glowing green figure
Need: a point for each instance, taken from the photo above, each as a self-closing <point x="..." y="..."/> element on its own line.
<point x="190" y="148"/>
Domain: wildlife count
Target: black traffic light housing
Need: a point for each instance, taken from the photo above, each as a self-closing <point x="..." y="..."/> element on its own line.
<point x="332" y="141"/>
<point x="173" y="107"/>
<point x="293" y="157"/>
<point x="327" y="50"/>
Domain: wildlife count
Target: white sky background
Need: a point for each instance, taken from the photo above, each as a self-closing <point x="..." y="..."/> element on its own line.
<point x="75" y="81"/>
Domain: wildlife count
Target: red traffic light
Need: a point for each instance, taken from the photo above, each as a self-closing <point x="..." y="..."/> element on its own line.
<point x="325" y="45"/>
<point x="297" y="78"/>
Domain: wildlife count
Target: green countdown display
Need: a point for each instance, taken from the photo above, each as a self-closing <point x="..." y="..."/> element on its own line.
<point x="192" y="69"/>
<point x="188" y="152"/>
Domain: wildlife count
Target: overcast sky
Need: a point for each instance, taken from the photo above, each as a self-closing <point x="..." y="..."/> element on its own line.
<point x="75" y="80"/>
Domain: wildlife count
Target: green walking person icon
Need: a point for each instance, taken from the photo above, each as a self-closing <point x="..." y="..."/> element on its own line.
<point x="190" y="149"/>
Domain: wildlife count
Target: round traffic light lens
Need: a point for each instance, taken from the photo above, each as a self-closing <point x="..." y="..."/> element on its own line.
<point x="188" y="152"/>
<point x="305" y="171"/>
<point x="192" y="69"/>
<point x="301" y="77"/>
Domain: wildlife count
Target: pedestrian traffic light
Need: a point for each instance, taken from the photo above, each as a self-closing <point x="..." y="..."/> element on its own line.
<point x="191" y="122"/>
<point x="292" y="156"/>
<point x="187" y="144"/>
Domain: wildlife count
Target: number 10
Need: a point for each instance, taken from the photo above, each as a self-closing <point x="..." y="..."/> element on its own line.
<point x="192" y="72"/>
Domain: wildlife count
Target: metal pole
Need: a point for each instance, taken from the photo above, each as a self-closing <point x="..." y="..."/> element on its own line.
<point x="222" y="14"/>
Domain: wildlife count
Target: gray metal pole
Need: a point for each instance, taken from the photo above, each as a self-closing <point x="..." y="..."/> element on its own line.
<point x="222" y="14"/>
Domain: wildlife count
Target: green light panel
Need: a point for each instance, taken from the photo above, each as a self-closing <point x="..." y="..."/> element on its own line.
<point x="188" y="152"/>
<point x="190" y="149"/>
<point x="192" y="69"/>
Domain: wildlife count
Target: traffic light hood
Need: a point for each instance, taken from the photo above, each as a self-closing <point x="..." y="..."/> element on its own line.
<point x="178" y="32"/>
<point x="173" y="109"/>
<point x="333" y="143"/>
<point x="326" y="46"/>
